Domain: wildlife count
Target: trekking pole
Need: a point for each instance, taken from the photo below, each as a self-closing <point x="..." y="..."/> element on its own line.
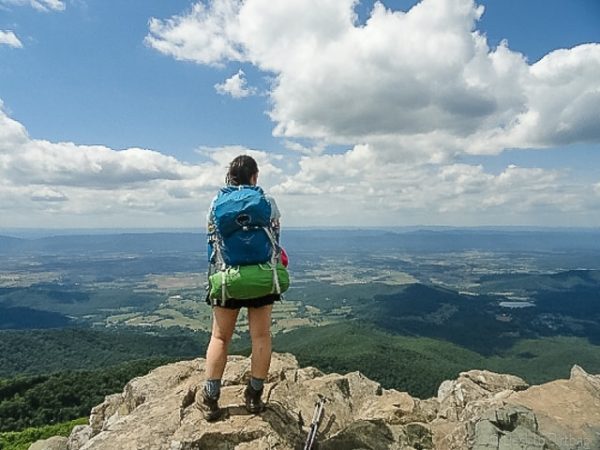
<point x="314" y="426"/>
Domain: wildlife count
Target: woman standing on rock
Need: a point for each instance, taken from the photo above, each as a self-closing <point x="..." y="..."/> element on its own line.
<point x="241" y="179"/>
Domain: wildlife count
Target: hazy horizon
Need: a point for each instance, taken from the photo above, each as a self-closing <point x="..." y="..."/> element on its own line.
<point x="48" y="232"/>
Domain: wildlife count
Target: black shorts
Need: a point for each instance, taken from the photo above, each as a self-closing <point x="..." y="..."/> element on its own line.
<point x="234" y="303"/>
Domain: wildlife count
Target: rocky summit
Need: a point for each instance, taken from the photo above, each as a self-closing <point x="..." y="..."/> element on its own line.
<point x="478" y="410"/>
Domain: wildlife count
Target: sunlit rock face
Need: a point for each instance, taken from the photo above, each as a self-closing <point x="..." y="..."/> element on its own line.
<point x="478" y="410"/>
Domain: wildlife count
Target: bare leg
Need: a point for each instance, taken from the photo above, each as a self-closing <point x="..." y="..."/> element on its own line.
<point x="259" y="320"/>
<point x="222" y="330"/>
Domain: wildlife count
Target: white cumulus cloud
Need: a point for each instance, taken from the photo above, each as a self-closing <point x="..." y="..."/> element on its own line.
<point x="66" y="184"/>
<point x="46" y="194"/>
<point x="40" y="5"/>
<point x="236" y="86"/>
<point x="422" y="84"/>
<point x="9" y="38"/>
<point x="45" y="183"/>
<point x="353" y="188"/>
<point x="204" y="34"/>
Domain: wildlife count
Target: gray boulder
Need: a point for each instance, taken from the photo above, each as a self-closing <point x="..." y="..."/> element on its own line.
<point x="53" y="443"/>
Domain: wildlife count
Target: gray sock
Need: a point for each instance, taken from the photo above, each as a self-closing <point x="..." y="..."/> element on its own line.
<point x="212" y="388"/>
<point x="257" y="383"/>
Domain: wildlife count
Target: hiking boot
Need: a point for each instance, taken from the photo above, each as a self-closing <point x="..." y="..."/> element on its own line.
<point x="254" y="404"/>
<point x="209" y="407"/>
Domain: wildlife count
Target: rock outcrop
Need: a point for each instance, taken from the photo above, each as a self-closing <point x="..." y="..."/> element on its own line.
<point x="479" y="410"/>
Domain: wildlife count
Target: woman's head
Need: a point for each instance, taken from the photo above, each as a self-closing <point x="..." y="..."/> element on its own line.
<point x="242" y="170"/>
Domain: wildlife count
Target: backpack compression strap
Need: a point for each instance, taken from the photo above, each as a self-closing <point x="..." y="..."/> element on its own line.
<point x="223" y="287"/>
<point x="223" y="267"/>
<point x="276" y="286"/>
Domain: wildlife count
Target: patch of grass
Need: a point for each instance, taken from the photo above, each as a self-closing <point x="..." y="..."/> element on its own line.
<point x="21" y="440"/>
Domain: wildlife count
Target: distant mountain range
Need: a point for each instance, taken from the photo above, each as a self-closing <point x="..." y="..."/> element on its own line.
<point x="302" y="241"/>
<point x="105" y="243"/>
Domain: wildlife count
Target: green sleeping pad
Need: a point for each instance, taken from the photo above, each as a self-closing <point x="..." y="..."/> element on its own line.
<point x="245" y="282"/>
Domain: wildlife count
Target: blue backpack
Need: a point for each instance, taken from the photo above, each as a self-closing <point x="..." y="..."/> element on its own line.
<point x="241" y="216"/>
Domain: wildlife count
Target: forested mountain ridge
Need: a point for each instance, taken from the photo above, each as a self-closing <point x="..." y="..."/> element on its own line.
<point x="43" y="352"/>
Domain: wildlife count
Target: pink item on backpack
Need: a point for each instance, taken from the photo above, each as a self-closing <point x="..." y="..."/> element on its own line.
<point x="284" y="258"/>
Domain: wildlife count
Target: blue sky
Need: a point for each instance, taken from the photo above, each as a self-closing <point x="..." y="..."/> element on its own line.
<point x="86" y="74"/>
